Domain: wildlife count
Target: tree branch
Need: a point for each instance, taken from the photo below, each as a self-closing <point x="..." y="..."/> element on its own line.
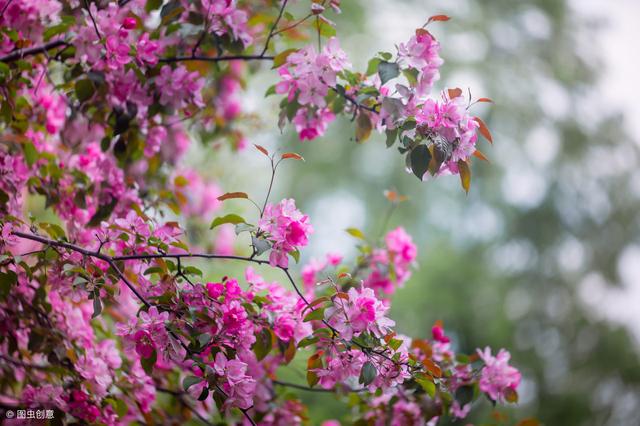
<point x="21" y="53"/>
<point x="308" y="389"/>
<point x="273" y="28"/>
<point x="217" y="58"/>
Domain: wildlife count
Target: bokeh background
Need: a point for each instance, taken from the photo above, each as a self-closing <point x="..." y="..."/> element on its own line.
<point x="543" y="256"/>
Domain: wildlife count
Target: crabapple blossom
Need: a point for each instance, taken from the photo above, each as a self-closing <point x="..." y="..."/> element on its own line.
<point x="118" y="302"/>
<point x="286" y="228"/>
<point x="497" y="376"/>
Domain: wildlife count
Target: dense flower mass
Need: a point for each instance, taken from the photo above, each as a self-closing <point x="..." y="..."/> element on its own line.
<point x="117" y="306"/>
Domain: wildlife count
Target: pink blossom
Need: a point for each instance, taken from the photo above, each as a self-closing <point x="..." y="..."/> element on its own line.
<point x="497" y="376"/>
<point x="287" y="228"/>
<point x="361" y="312"/>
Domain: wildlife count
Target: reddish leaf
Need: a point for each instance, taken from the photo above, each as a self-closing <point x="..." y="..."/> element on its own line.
<point x="480" y="155"/>
<point x="292" y="155"/>
<point x="441" y="18"/>
<point x="432" y="367"/>
<point x="262" y="149"/>
<point x="394" y="197"/>
<point x="484" y="100"/>
<point x="528" y="422"/>
<point x="483" y="129"/>
<point x="232" y="195"/>
<point x="313" y="363"/>
<point x="454" y="93"/>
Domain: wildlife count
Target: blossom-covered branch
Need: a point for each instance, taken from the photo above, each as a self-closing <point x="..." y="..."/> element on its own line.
<point x="103" y="304"/>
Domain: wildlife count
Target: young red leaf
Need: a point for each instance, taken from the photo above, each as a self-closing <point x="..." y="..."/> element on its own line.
<point x="484" y="100"/>
<point x="478" y="154"/>
<point x="440" y="18"/>
<point x="454" y="93"/>
<point x="292" y="155"/>
<point x="262" y="149"/>
<point x="232" y="195"/>
<point x="483" y="129"/>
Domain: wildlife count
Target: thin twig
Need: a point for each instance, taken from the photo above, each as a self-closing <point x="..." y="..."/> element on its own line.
<point x="216" y="58"/>
<point x="273" y="28"/>
<point x="95" y="25"/>
<point x="308" y="389"/>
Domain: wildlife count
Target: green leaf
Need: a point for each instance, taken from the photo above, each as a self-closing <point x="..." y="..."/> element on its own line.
<point x="364" y="126"/>
<point x="5" y="71"/>
<point x="191" y="270"/>
<point x="395" y="344"/>
<point x="270" y="91"/>
<point x="411" y="74"/>
<point x="355" y="232"/>
<point x="325" y="29"/>
<point x="260" y="245"/>
<point x="464" y="394"/>
<point x="296" y="255"/>
<point x="119" y="406"/>
<point x="204" y="339"/>
<point x="153" y="5"/>
<point x="428" y="385"/>
<point x="465" y="175"/>
<point x="84" y="89"/>
<point x="149" y="363"/>
<point x="420" y="157"/>
<point x="97" y="306"/>
<point x="307" y="341"/>
<point x="103" y="212"/>
<point x="171" y="11"/>
<point x="189" y="381"/>
<point x="392" y="135"/>
<point x="367" y="374"/>
<point x="314" y="362"/>
<point x="7" y="280"/>
<point x="55" y="231"/>
<point x="263" y="344"/>
<point x="316" y="315"/>
<point x="281" y="58"/>
<point x="388" y="71"/>
<point x="230" y="218"/>
<point x="372" y="66"/>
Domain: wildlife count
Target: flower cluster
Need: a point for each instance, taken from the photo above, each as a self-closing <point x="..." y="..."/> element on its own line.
<point x="498" y="379"/>
<point x="286" y="228"/>
<point x="357" y="312"/>
<point x="390" y="266"/>
<point x="306" y="78"/>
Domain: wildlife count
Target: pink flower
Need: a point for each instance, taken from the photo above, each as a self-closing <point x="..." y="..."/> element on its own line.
<point x="312" y="124"/>
<point x="144" y="344"/>
<point x="361" y="312"/>
<point x="147" y="50"/>
<point x="497" y="376"/>
<point x="287" y="228"/>
<point x="129" y="23"/>
<point x="117" y="52"/>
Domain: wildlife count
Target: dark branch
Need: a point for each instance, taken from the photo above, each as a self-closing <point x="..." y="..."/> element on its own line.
<point x="21" y="53"/>
<point x="308" y="389"/>
<point x="217" y="58"/>
<point x="273" y="28"/>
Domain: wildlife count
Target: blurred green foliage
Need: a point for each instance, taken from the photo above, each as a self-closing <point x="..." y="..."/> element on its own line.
<point x="505" y="265"/>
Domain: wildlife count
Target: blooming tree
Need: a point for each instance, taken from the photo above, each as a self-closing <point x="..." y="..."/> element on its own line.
<point x="101" y="307"/>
